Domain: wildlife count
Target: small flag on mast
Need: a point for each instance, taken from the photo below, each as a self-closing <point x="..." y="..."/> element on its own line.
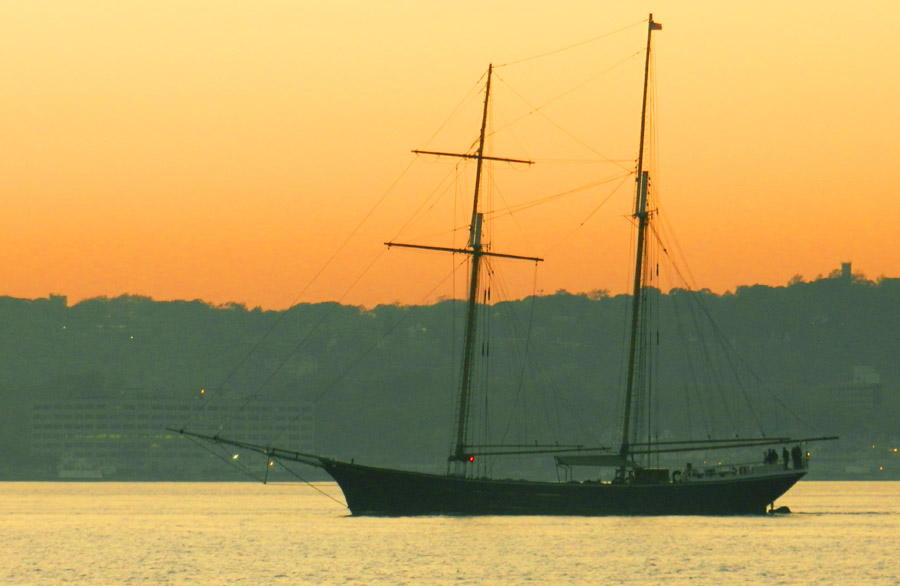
<point x="655" y="26"/>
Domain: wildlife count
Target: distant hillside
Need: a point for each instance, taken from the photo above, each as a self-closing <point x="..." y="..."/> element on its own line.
<point x="381" y="380"/>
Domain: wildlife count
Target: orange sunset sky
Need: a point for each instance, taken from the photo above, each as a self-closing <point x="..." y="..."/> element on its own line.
<point x="226" y="150"/>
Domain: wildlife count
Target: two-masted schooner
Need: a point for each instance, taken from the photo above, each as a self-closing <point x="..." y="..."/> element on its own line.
<point x="633" y="487"/>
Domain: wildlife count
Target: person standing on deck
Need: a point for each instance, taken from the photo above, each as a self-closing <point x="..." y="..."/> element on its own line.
<point x="797" y="457"/>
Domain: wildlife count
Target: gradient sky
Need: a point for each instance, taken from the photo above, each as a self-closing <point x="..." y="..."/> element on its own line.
<point x="225" y="150"/>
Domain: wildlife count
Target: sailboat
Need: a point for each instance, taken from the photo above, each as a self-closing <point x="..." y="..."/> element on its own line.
<point x="634" y="488"/>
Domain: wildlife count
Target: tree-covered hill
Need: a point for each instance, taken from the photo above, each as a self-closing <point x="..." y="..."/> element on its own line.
<point x="381" y="380"/>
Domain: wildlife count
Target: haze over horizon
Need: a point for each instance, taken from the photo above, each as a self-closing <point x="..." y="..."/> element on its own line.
<point x="225" y="151"/>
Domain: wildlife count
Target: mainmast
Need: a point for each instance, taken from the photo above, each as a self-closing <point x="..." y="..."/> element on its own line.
<point x="471" y="304"/>
<point x="643" y="218"/>
<point x="475" y="248"/>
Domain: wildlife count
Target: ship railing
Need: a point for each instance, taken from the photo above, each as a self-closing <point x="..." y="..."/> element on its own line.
<point x="722" y="470"/>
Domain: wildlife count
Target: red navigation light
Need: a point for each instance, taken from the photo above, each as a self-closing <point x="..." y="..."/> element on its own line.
<point x="471" y="458"/>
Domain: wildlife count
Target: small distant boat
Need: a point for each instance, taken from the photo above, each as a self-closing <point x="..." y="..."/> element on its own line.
<point x="635" y="487"/>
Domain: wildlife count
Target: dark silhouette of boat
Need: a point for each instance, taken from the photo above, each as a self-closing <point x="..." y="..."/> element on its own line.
<point x="636" y="488"/>
<point x="375" y="491"/>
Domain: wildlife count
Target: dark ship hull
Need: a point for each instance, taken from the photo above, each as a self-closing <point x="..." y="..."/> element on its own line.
<point x="385" y="492"/>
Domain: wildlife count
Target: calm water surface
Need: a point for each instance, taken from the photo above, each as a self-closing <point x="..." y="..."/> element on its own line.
<point x="148" y="533"/>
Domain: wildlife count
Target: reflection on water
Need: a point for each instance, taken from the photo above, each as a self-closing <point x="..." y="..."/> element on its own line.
<point x="146" y="533"/>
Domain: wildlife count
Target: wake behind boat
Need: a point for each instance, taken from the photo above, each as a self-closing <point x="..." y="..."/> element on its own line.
<point x="629" y="478"/>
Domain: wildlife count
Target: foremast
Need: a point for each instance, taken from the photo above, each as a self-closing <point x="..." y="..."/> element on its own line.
<point x="476" y="250"/>
<point x="472" y="301"/>
<point x="643" y="222"/>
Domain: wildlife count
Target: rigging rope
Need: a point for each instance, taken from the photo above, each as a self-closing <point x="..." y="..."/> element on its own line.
<point x="231" y="461"/>
<point x="590" y="215"/>
<point x="444" y="189"/>
<point x="223" y="455"/>
<point x="726" y="344"/>
<point x="303" y="340"/>
<point x="569" y="47"/>
<point x="539" y="110"/>
<point x="510" y="209"/>
<point x="458" y="107"/>
<point x="231" y="374"/>
<point x="403" y="317"/>
<point x="308" y="483"/>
